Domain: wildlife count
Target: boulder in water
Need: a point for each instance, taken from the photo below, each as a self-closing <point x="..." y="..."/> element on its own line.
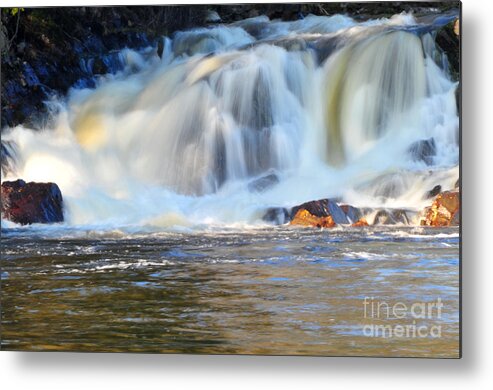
<point x="433" y="192"/>
<point x="304" y="218"/>
<point x="27" y="203"/>
<point x="445" y="210"/>
<point x="318" y="213"/>
<point x="352" y="213"/>
<point x="391" y="217"/>
<point x="263" y="183"/>
<point x="212" y="17"/>
<point x="423" y="150"/>
<point x="355" y="215"/>
<point x="276" y="215"/>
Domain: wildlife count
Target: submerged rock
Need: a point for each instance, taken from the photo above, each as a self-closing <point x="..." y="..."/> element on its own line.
<point x="27" y="203"/>
<point x="423" y="150"/>
<point x="263" y="183"/>
<point x="445" y="210"/>
<point x="276" y="215"/>
<point x="212" y="17"/>
<point x="387" y="185"/>
<point x="391" y="217"/>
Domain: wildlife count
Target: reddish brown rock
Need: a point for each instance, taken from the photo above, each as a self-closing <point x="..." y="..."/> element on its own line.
<point x="327" y="213"/>
<point x="360" y="223"/>
<point x="445" y="210"/>
<point x="305" y="218"/>
<point x="323" y="208"/>
<point x="27" y="203"/>
<point x="433" y="192"/>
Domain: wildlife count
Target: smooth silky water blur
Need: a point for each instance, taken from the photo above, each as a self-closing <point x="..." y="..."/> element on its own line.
<point x="164" y="249"/>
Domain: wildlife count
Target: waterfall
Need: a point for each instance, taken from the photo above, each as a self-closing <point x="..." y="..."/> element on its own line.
<point x="374" y="87"/>
<point x="319" y="107"/>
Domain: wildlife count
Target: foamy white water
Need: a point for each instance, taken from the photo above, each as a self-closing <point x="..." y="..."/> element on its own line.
<point x="329" y="106"/>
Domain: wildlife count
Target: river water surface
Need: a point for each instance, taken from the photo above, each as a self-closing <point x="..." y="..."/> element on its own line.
<point x="263" y="291"/>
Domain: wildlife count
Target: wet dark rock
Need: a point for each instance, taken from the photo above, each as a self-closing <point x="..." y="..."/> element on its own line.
<point x="29" y="76"/>
<point x="212" y="17"/>
<point x="358" y="10"/>
<point x="94" y="44"/>
<point x="433" y="192"/>
<point x="263" y="183"/>
<point x="388" y="185"/>
<point x="84" y="83"/>
<point x="160" y="47"/>
<point x="352" y="213"/>
<point x="44" y="58"/>
<point x="7" y="155"/>
<point x="423" y="150"/>
<point x="391" y="217"/>
<point x="276" y="215"/>
<point x="326" y="213"/>
<point x="27" y="203"/>
<point x="113" y="62"/>
<point x="391" y="186"/>
<point x="325" y="46"/>
<point x="99" y="67"/>
<point x="321" y="209"/>
<point x="292" y="44"/>
<point x="447" y="39"/>
<point x="253" y="13"/>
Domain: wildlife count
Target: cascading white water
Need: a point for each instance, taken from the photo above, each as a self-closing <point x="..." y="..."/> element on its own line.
<point x="177" y="141"/>
<point x="375" y="87"/>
